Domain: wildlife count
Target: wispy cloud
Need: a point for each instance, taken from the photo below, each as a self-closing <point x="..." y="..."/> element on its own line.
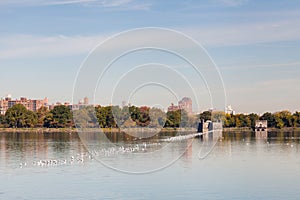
<point x="115" y="3"/>
<point x="103" y="3"/>
<point x="239" y="34"/>
<point x="256" y="32"/>
<point x="248" y="33"/>
<point x="123" y="4"/>
<point x="66" y="2"/>
<point x="233" y="3"/>
<point x="20" y="46"/>
<point x="269" y="65"/>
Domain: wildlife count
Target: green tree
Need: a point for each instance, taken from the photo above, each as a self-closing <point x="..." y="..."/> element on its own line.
<point x="270" y="118"/>
<point x="296" y="119"/>
<point x="122" y="116"/>
<point x="19" y="117"/>
<point x="229" y="120"/>
<point x="2" y="121"/>
<point x="206" y="115"/>
<point x="48" y="120"/>
<point x="173" y="119"/>
<point x="286" y="117"/>
<point x="279" y="123"/>
<point x="238" y="122"/>
<point x="134" y="113"/>
<point x="110" y="120"/>
<point x="253" y="117"/>
<point x="81" y="118"/>
<point x="59" y="117"/>
<point x="242" y="120"/>
<point x="41" y="115"/>
<point x="217" y="116"/>
<point x="157" y="117"/>
<point x="105" y="116"/>
<point x="101" y="116"/>
<point x="143" y="118"/>
<point x="31" y="119"/>
<point x="92" y="118"/>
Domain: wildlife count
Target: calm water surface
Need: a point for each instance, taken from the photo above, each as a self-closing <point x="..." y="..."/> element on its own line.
<point x="58" y="166"/>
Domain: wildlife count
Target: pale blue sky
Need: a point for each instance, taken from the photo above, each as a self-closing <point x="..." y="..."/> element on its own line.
<point x="255" y="44"/>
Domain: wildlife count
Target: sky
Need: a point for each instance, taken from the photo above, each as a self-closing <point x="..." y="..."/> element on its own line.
<point x="254" y="44"/>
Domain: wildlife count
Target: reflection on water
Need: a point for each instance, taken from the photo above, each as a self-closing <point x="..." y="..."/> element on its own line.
<point x="21" y="147"/>
<point x="243" y="165"/>
<point x="16" y="148"/>
<point x="275" y="137"/>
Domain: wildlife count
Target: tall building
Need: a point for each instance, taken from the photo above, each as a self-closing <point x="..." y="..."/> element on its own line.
<point x="86" y="101"/>
<point x="3" y="106"/>
<point x="229" y="110"/>
<point x="30" y="104"/>
<point x="184" y="104"/>
<point x="81" y="104"/>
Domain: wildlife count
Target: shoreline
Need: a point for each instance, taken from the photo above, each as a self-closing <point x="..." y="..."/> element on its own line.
<point x="117" y="130"/>
<point x="73" y="130"/>
<point x="241" y="129"/>
<point x="38" y="130"/>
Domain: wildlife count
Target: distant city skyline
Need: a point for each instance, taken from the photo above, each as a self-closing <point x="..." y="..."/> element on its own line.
<point x="255" y="45"/>
<point x="33" y="104"/>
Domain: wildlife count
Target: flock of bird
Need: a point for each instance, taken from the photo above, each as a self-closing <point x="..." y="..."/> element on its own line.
<point x="112" y="152"/>
<point x="106" y="152"/>
<point x="181" y="137"/>
<point x="79" y="158"/>
<point x="94" y="154"/>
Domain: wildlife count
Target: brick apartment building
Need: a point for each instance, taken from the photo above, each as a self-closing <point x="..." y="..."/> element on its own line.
<point x="30" y="104"/>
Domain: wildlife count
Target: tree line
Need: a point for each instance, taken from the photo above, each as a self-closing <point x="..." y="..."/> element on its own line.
<point x="61" y="116"/>
<point x="19" y="117"/>
<point x="279" y="119"/>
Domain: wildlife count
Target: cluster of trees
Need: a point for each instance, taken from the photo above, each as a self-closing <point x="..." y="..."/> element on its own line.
<point x="282" y="119"/>
<point x="114" y="116"/>
<point x="104" y="116"/>
<point x="19" y="117"/>
<point x="275" y="120"/>
<point x="131" y="116"/>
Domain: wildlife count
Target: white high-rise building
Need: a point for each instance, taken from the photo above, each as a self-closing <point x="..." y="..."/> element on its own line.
<point x="229" y="110"/>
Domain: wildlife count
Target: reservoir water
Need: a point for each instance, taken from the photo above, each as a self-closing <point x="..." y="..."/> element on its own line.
<point x="241" y="165"/>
